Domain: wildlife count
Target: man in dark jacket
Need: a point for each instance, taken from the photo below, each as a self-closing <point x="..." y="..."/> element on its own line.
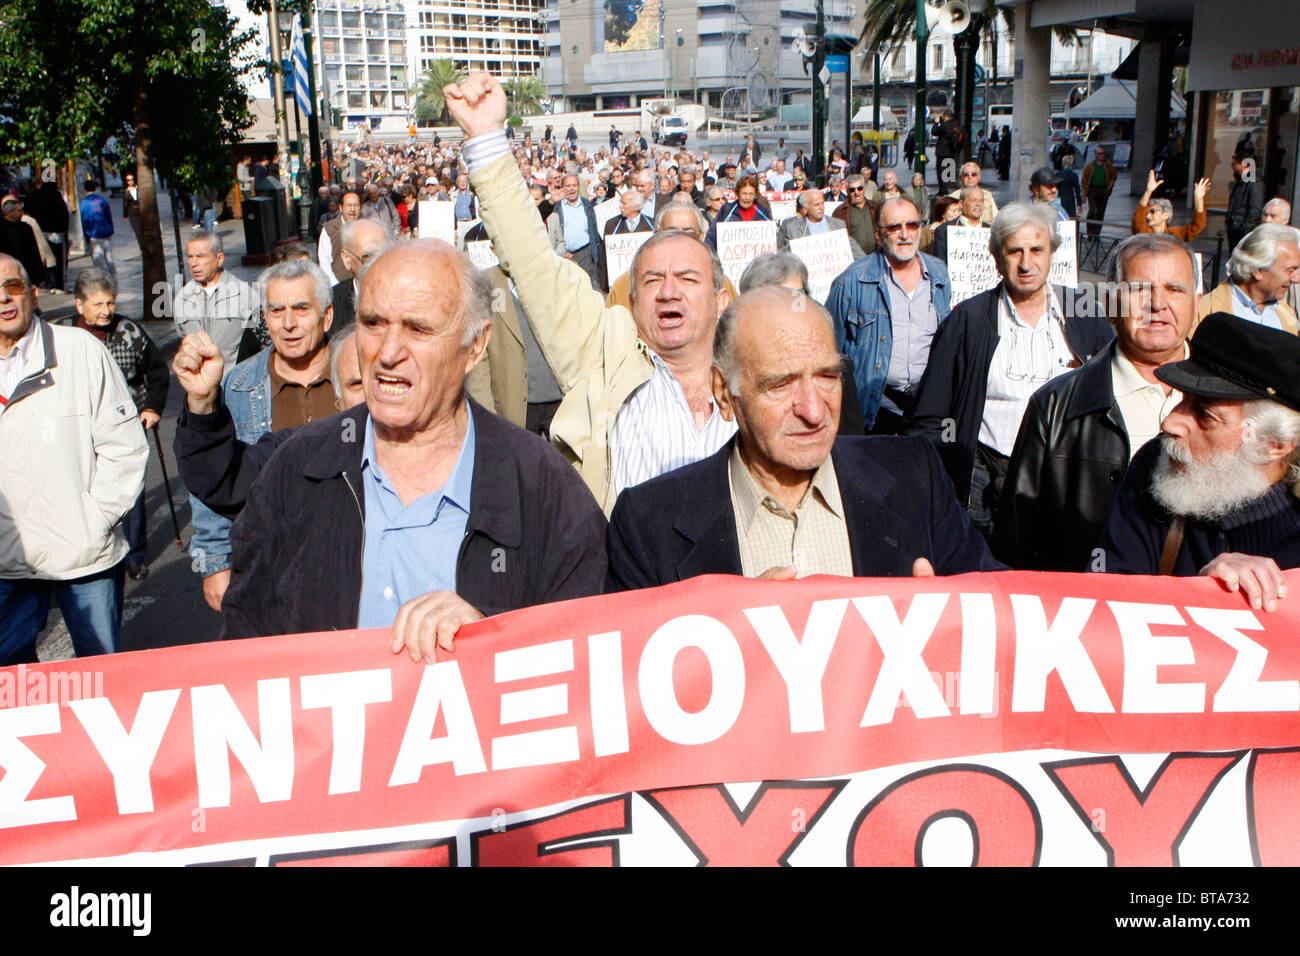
<point x="420" y="510"/>
<point x="995" y="350"/>
<point x="1081" y="429"/>
<point x="786" y="498"/>
<point x="1216" y="494"/>
<point x="1245" y="200"/>
<point x="947" y="144"/>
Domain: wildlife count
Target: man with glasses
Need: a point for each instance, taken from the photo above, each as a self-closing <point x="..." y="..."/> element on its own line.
<point x="857" y="214"/>
<point x="72" y="463"/>
<point x="970" y="177"/>
<point x="996" y="350"/>
<point x="362" y="240"/>
<point x="887" y="308"/>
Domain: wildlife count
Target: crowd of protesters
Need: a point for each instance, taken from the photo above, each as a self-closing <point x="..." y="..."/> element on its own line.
<point x="383" y="434"/>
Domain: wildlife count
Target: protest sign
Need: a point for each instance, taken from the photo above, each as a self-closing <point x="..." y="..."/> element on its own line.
<point x="1000" y="719"/>
<point x="826" y="256"/>
<point x="620" y="249"/>
<point x="972" y="270"/>
<point x="480" y="253"/>
<point x="739" y="242"/>
<point x="783" y="209"/>
<point x="437" y="220"/>
<point x="605" y="211"/>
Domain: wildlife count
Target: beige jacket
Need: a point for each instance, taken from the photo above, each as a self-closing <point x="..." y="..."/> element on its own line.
<point x="500" y="382"/>
<point x="990" y="207"/>
<point x="73" y="462"/>
<point x="595" y="352"/>
<point x="1219" y="299"/>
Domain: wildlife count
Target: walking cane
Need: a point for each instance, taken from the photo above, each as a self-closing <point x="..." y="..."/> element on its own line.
<point x="167" y="486"/>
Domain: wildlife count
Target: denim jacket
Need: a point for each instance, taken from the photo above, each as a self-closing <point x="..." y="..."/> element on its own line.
<point x="859" y="304"/>
<point x="246" y="389"/>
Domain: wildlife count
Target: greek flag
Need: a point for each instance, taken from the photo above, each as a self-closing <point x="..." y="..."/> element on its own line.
<point x="298" y="59"/>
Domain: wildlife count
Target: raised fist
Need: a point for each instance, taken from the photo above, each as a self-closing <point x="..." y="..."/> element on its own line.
<point x="199" y="365"/>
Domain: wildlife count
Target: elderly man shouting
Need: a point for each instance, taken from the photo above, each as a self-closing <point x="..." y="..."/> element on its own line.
<point x="418" y="509"/>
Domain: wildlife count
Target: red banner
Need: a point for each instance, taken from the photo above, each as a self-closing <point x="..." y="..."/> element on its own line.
<point x="1006" y="718"/>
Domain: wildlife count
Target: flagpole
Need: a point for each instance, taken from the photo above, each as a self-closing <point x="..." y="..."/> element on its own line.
<point x="313" y="127"/>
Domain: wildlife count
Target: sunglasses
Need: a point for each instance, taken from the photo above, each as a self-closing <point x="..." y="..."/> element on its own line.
<point x="14" y="287"/>
<point x="912" y="225"/>
<point x="857" y="189"/>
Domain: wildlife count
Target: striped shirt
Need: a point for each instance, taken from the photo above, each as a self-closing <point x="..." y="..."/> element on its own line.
<point x="655" y="431"/>
<point x="1026" y="358"/>
<point x="814" y="539"/>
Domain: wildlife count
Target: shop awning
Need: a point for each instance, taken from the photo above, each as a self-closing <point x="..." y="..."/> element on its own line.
<point x="1117" y="100"/>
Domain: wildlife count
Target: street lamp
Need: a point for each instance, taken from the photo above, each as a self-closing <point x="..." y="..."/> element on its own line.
<point x="677" y="67"/>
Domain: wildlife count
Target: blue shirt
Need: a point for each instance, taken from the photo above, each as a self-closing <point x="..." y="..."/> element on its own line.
<point x="410" y="550"/>
<point x="574" y="217"/>
<point x="915" y="320"/>
<point x="1245" y="308"/>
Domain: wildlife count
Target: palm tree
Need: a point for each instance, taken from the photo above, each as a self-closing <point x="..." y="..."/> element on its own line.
<point x="525" y="94"/>
<point x="429" y="103"/>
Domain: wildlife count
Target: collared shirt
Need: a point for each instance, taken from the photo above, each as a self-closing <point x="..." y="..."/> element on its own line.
<point x="220" y="309"/>
<point x="655" y="431"/>
<point x="412" y="549"/>
<point x="775" y="181"/>
<point x="814" y="539"/>
<point x="1243" y="307"/>
<point x="817" y="228"/>
<point x="13" y="367"/>
<point x="1142" y="404"/>
<point x="293" y="404"/>
<point x="1026" y="358"/>
<point x="574" y="218"/>
<point x="914" y="320"/>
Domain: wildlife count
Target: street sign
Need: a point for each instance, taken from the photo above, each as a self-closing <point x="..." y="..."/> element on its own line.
<point x="979" y="73"/>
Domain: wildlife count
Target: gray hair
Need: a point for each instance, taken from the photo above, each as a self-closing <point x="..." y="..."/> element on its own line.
<point x="476" y="300"/>
<point x="855" y="179"/>
<point x="724" y="336"/>
<point x="1275" y="422"/>
<point x="681" y="205"/>
<point x="338" y="340"/>
<point x="22" y="270"/>
<point x="773" y="268"/>
<point x="977" y="190"/>
<point x="688" y="168"/>
<point x="636" y="198"/>
<point x="211" y="238"/>
<point x="1277" y="202"/>
<point x="1258" y="251"/>
<point x="801" y="201"/>
<point x="1164" y="204"/>
<point x="292" y="269"/>
<point x="1015" y="216"/>
<point x="1149" y="243"/>
<point x="92" y="280"/>
<point x="719" y="277"/>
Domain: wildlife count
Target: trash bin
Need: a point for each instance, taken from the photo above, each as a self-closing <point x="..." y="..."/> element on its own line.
<point x="304" y="218"/>
<point x="273" y="189"/>
<point x="259" y="226"/>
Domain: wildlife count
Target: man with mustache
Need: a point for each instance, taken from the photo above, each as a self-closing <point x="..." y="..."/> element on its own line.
<point x="887" y="308"/>
<point x="1216" y="494"/>
<point x="1082" y="429"/>
<point x="996" y="350"/>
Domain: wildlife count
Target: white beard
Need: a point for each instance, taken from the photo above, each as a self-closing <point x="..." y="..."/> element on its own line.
<point x="1211" y="490"/>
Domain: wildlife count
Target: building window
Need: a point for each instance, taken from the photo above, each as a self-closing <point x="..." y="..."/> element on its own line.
<point x="936" y="57"/>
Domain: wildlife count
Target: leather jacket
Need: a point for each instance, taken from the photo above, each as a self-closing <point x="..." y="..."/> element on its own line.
<point x="1070" y="457"/>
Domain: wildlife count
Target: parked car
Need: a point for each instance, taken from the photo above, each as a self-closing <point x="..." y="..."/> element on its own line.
<point x="670" y="131"/>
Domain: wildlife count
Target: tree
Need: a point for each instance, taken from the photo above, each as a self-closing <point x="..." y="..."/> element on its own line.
<point x="76" y="73"/>
<point x="525" y="94"/>
<point x="429" y="103"/>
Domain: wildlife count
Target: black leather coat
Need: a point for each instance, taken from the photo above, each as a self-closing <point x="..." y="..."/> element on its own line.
<point x="1070" y="457"/>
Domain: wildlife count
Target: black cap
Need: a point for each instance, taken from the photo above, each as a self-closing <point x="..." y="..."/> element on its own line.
<point x="1043" y="176"/>
<point x="1236" y="359"/>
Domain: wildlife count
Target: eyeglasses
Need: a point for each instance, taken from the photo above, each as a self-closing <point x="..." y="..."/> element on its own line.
<point x="857" y="189"/>
<point x="14" y="287"/>
<point x="912" y="225"/>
